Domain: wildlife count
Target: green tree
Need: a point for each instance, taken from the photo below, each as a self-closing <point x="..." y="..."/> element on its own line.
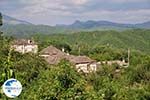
<point x="1" y="19"/>
<point x="1" y="23"/>
<point x="60" y="82"/>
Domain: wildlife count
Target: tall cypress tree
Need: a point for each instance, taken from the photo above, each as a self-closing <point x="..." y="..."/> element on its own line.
<point x="1" y="23"/>
<point x="1" y="19"/>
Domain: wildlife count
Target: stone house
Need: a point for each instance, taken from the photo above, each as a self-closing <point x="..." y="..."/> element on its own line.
<point x="118" y="62"/>
<point x="52" y="55"/>
<point x="82" y="63"/>
<point x="24" y="46"/>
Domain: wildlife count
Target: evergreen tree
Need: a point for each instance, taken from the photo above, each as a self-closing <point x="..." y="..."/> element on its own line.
<point x="1" y="19"/>
<point x="1" y="23"/>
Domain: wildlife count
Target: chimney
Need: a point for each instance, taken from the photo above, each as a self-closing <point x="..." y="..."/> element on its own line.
<point x="68" y="54"/>
<point x="63" y="49"/>
<point x="29" y="41"/>
<point x="123" y="61"/>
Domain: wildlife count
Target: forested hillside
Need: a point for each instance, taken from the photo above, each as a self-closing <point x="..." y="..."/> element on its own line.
<point x="42" y="81"/>
<point x="55" y="82"/>
<point x="27" y="30"/>
<point x="134" y="39"/>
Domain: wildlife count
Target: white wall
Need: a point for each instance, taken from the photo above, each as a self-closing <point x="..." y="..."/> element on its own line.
<point x="86" y="68"/>
<point x="25" y="49"/>
<point x="31" y="48"/>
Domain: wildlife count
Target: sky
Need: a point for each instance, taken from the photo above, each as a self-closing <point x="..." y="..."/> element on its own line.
<point x="52" y="12"/>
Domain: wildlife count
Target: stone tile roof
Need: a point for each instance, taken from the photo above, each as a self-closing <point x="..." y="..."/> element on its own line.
<point x="79" y="59"/>
<point x="55" y="55"/>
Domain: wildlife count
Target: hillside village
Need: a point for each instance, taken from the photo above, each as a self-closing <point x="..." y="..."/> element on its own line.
<point x="39" y="67"/>
<point x="53" y="56"/>
<point x="102" y="72"/>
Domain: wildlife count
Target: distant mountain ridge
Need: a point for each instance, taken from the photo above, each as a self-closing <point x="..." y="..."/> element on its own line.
<point x="107" y="24"/>
<point x="144" y="25"/>
<point x="90" y="24"/>
<point x="15" y="27"/>
<point x="13" y="21"/>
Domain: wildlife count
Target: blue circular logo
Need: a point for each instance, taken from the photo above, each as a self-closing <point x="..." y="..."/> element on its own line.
<point x="12" y="88"/>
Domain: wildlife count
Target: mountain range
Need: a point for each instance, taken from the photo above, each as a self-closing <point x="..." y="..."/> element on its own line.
<point x="81" y="25"/>
<point x="90" y="24"/>
<point x="13" y="21"/>
<point x="14" y="26"/>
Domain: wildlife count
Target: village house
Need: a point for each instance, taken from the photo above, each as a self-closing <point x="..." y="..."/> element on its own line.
<point x="24" y="46"/>
<point x="118" y="62"/>
<point x="82" y="63"/>
<point x="52" y="55"/>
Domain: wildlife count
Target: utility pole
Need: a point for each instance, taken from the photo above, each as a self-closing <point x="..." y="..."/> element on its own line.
<point x="128" y="56"/>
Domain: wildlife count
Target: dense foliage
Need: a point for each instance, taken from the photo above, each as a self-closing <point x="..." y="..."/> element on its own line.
<point x="42" y="81"/>
<point x="62" y="82"/>
<point x="25" y="68"/>
<point x="84" y="41"/>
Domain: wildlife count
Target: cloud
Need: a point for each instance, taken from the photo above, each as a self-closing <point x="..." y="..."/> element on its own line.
<point x="128" y="1"/>
<point x="130" y="16"/>
<point x="79" y="2"/>
<point x="66" y="11"/>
